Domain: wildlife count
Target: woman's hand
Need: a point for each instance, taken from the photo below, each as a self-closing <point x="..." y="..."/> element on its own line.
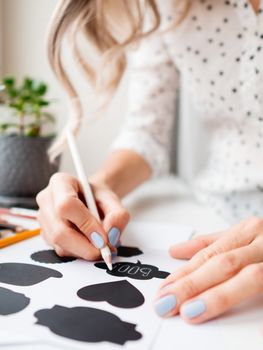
<point x="68" y="225"/>
<point x="224" y="270"/>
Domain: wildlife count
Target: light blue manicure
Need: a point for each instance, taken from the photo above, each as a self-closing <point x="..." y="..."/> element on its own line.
<point x="114" y="235"/>
<point x="114" y="254"/>
<point x="165" y="305"/>
<point x="97" y="240"/>
<point x="194" y="309"/>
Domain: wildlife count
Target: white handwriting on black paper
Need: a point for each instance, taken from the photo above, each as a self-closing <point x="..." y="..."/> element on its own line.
<point x="136" y="271"/>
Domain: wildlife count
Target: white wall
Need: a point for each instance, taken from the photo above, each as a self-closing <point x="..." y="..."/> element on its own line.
<point x="1" y="36"/>
<point x="24" y="26"/>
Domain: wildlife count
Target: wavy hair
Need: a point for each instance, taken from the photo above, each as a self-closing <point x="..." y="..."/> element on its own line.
<point x="110" y="27"/>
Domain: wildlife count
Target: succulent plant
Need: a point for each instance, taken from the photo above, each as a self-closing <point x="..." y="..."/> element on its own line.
<point x="29" y="105"/>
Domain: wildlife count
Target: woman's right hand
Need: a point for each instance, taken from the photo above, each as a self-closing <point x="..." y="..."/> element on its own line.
<point x="69" y="226"/>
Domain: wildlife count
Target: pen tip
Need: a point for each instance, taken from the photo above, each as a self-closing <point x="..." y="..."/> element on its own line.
<point x="106" y="254"/>
<point x="108" y="262"/>
<point x="109" y="266"/>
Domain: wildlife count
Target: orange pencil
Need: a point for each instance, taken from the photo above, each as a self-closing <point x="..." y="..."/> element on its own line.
<point x="4" y="242"/>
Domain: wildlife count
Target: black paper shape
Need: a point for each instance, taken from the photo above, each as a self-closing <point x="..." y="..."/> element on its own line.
<point x="136" y="271"/>
<point x="12" y="302"/>
<point x="127" y="252"/>
<point x="25" y="274"/>
<point x="50" y="257"/>
<point x="87" y="324"/>
<point x="119" y="293"/>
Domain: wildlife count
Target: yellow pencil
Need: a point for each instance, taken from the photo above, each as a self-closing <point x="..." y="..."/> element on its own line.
<point x="4" y="242"/>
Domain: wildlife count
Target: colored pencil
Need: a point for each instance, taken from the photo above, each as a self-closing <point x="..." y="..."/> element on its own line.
<point x="21" y="212"/>
<point x="18" y="237"/>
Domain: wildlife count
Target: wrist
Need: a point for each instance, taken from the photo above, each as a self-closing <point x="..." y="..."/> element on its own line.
<point x="122" y="172"/>
<point x="100" y="179"/>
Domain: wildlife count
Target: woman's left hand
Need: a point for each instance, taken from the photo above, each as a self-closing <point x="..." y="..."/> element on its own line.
<point x="224" y="270"/>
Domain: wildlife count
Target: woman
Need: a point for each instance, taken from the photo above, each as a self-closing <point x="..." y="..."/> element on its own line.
<point x="218" y="47"/>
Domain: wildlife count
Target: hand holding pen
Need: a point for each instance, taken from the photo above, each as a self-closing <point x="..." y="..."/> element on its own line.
<point x="70" y="227"/>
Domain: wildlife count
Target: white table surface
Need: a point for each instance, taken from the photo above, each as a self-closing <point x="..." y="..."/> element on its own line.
<point x="168" y="201"/>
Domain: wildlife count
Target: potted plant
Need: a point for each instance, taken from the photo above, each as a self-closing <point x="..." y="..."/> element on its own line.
<point x="25" y="167"/>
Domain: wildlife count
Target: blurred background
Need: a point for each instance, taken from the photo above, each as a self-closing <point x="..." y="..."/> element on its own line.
<point x="23" y="25"/>
<point x="23" y="28"/>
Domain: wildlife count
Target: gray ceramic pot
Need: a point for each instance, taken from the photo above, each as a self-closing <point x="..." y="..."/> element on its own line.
<point x="24" y="165"/>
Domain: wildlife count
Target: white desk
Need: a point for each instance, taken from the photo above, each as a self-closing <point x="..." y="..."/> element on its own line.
<point x="167" y="200"/>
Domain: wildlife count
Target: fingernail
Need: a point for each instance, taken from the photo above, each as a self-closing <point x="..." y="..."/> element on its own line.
<point x="114" y="254"/>
<point x="97" y="240"/>
<point x="193" y="309"/>
<point x="165" y="304"/>
<point x="114" y="235"/>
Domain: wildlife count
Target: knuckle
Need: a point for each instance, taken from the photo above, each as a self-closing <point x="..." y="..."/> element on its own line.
<point x="255" y="272"/>
<point x="253" y="222"/>
<point x="222" y="300"/>
<point x="57" y="237"/>
<point x="202" y="240"/>
<point x="228" y="262"/>
<point x="205" y="254"/>
<point x="87" y="225"/>
<point x="120" y="215"/>
<point x="58" y="177"/>
<point x="63" y="206"/>
<point x="118" y="218"/>
<point x="91" y="256"/>
<point x="189" y="287"/>
<point x="60" y="252"/>
<point x="125" y="215"/>
<point x="40" y="197"/>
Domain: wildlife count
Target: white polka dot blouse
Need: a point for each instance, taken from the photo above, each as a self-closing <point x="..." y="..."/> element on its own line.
<point x="218" y="48"/>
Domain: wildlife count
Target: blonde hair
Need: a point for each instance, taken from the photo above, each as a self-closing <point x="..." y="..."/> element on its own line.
<point x="110" y="26"/>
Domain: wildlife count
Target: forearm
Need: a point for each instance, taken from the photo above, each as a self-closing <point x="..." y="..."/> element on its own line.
<point x="122" y="172"/>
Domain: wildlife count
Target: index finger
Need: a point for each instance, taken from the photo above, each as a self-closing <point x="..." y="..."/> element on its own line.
<point x="186" y="250"/>
<point x="68" y="206"/>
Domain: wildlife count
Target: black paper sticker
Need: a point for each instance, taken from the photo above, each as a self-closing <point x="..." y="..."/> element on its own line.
<point x="20" y="274"/>
<point x="50" y="257"/>
<point x="12" y="302"/>
<point x="87" y="324"/>
<point x="128" y="252"/>
<point x="119" y="293"/>
<point x="136" y="271"/>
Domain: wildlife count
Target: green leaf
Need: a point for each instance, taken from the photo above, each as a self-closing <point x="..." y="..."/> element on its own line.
<point x="41" y="89"/>
<point x="9" y="81"/>
<point x="32" y="130"/>
<point x="28" y="83"/>
<point x="5" y="126"/>
<point x="43" y="103"/>
<point x="12" y="92"/>
<point x="28" y="103"/>
<point x="49" y="117"/>
<point x="18" y="105"/>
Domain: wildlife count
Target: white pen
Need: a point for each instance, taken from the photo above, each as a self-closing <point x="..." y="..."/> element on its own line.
<point x="88" y="195"/>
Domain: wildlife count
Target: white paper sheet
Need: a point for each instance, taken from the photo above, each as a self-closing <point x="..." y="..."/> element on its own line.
<point x="152" y="239"/>
<point x="239" y="328"/>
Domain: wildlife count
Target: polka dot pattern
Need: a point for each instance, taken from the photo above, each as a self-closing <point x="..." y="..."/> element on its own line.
<point x="219" y="50"/>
